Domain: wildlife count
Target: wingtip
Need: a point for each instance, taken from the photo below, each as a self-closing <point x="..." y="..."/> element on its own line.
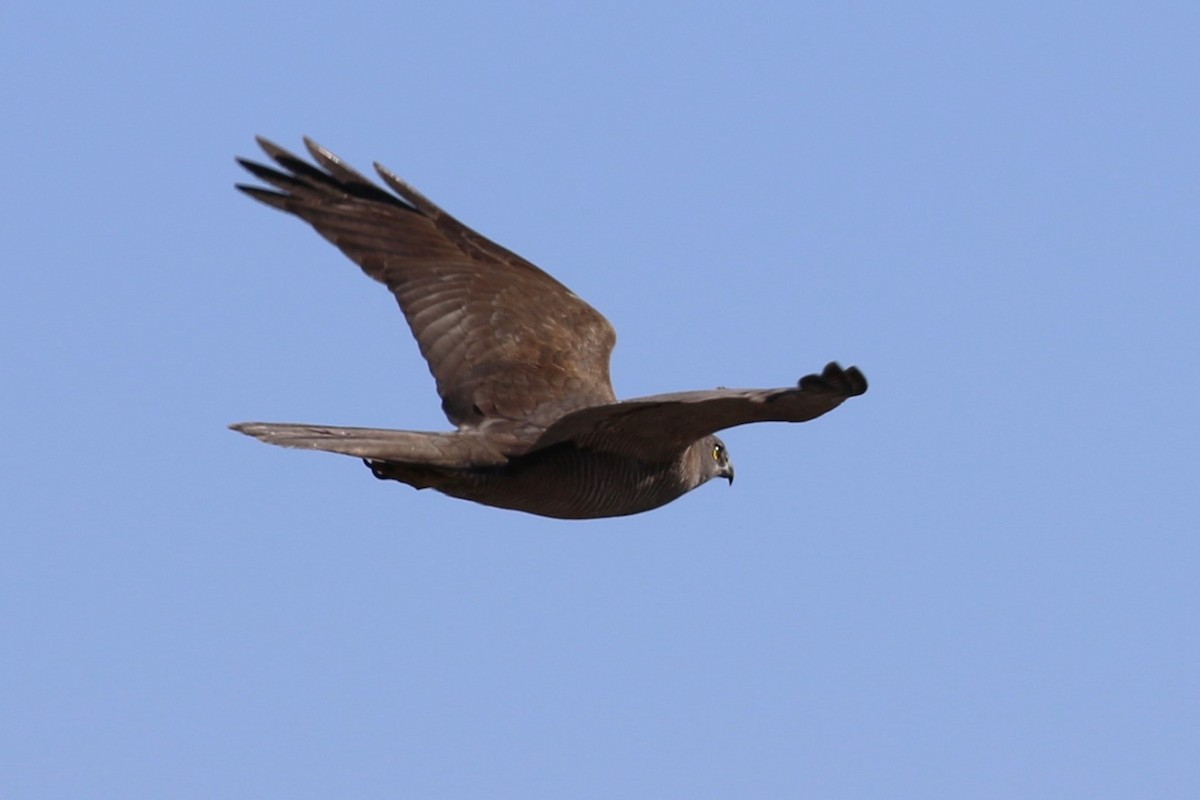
<point x="406" y="192"/>
<point x="269" y="147"/>
<point x="385" y="173"/>
<point x="391" y="178"/>
<point x="331" y="161"/>
<point x="849" y="382"/>
<point x="266" y="196"/>
<point x="857" y="380"/>
<point x="318" y="152"/>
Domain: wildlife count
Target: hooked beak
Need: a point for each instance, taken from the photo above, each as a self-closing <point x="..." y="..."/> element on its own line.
<point x="728" y="474"/>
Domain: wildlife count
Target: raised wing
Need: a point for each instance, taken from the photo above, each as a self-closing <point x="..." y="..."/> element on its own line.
<point x="656" y="429"/>
<point x="511" y="349"/>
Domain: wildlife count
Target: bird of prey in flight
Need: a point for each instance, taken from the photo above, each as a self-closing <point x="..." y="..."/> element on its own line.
<point x="520" y="362"/>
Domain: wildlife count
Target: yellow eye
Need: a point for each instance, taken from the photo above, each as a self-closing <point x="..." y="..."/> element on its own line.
<point x="717" y="452"/>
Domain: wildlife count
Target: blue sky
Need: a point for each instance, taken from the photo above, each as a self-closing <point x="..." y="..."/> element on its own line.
<point x="978" y="580"/>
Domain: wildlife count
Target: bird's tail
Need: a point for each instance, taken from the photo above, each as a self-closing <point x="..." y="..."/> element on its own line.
<point x="458" y="449"/>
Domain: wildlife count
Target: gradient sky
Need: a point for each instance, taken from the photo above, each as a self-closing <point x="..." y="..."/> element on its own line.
<point x="979" y="580"/>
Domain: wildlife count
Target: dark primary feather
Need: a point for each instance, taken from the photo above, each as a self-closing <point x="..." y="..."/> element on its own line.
<point x="509" y="346"/>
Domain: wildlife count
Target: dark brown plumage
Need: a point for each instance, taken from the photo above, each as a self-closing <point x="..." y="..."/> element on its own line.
<point x="520" y="362"/>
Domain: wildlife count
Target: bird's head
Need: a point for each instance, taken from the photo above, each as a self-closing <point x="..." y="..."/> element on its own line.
<point x="714" y="459"/>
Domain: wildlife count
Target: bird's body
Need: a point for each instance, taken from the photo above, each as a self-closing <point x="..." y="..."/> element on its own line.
<point x="562" y="481"/>
<point x="520" y="362"/>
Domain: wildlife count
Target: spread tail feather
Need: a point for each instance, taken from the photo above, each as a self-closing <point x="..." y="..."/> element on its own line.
<point x="415" y="447"/>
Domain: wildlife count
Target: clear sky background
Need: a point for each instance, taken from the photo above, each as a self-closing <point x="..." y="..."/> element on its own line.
<point x="979" y="580"/>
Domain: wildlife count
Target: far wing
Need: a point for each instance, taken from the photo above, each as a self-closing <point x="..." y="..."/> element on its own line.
<point x="655" y="429"/>
<point x="511" y="348"/>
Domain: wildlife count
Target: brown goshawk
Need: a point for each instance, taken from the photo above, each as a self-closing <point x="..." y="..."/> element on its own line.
<point x="520" y="362"/>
